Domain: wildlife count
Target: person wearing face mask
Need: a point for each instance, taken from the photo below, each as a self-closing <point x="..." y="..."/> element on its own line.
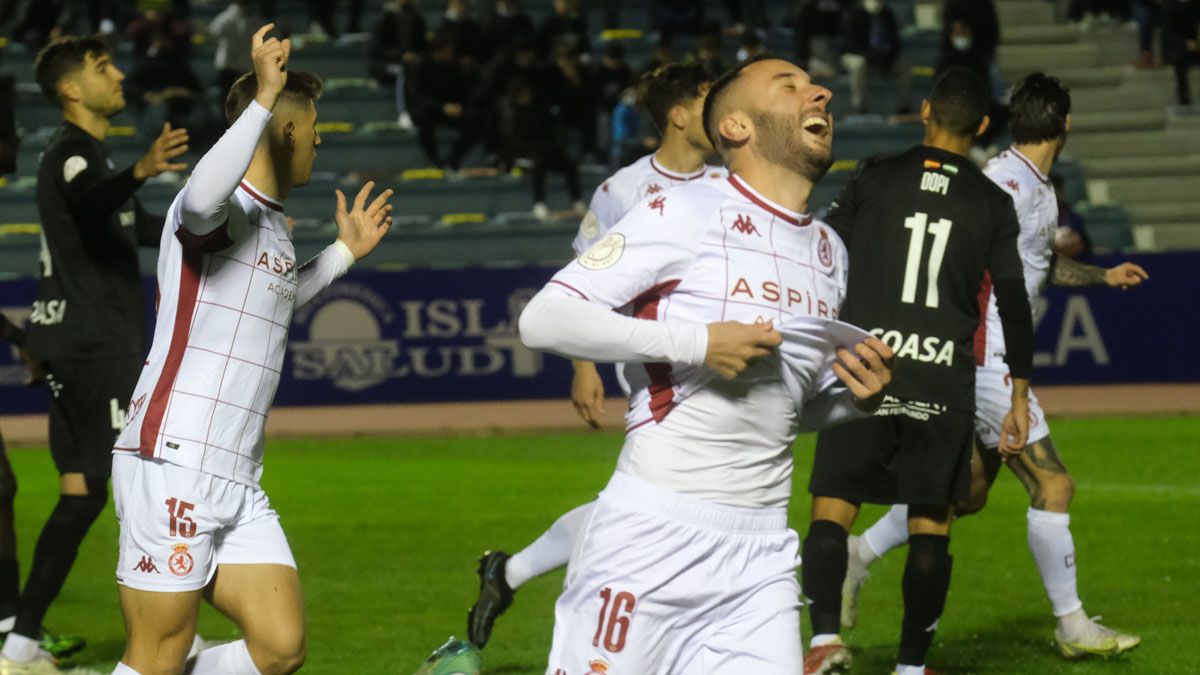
<point x="1181" y="48"/>
<point x="506" y="25"/>
<point x="873" y="43"/>
<point x="460" y="29"/>
<point x="970" y="35"/>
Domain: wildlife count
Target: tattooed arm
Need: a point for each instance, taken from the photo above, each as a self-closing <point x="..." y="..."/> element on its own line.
<point x="1067" y="272"/>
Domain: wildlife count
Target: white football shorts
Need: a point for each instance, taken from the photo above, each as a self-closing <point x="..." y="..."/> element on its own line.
<point x="178" y="524"/>
<point x="993" y="399"/>
<point x="662" y="583"/>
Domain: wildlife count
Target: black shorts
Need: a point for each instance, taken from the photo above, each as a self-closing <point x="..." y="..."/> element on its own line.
<point x="87" y="409"/>
<point x="908" y="453"/>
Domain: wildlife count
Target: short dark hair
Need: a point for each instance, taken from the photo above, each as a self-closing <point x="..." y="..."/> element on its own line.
<point x="671" y="85"/>
<point x="959" y="101"/>
<point x="62" y="57"/>
<point x="301" y="85"/>
<point x="1038" y="109"/>
<point x="717" y="90"/>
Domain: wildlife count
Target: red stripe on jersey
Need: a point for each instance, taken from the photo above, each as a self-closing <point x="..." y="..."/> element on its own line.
<point x="749" y="194"/>
<point x="570" y="287"/>
<point x="259" y="198"/>
<point x="677" y="176"/>
<point x="189" y="287"/>
<point x="662" y="389"/>
<point x="214" y="241"/>
<point x="985" y="296"/>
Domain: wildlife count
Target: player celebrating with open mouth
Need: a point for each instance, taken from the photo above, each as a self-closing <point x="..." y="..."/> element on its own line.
<point x="195" y="524"/>
<point x="686" y="563"/>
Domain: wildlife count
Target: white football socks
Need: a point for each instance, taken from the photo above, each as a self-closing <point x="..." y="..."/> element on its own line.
<point x="232" y="658"/>
<point x="1054" y="551"/>
<point x="902" y="669"/>
<point x="889" y="532"/>
<point x="548" y="552"/>
<point x="123" y="669"/>
<point x="20" y="648"/>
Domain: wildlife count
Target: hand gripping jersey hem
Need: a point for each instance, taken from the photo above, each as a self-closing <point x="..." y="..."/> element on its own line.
<point x="189" y="287"/>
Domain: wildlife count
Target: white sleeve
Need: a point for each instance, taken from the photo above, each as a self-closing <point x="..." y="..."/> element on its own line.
<point x="831" y="405"/>
<point x="598" y="220"/>
<point x="316" y="274"/>
<point x="205" y="199"/>
<point x="561" y="323"/>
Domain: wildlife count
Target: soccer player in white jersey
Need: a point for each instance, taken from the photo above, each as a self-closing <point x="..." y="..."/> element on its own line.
<point x="194" y="522"/>
<point x="686" y="563"/>
<point x="673" y="94"/>
<point x="1041" y="119"/>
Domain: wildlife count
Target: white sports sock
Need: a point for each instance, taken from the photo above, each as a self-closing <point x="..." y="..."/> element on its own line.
<point x="123" y="669"/>
<point x="902" y="669"/>
<point x="232" y="658"/>
<point x="549" y="551"/>
<point x="889" y="532"/>
<point x="20" y="648"/>
<point x="1054" y="552"/>
<point x="823" y="639"/>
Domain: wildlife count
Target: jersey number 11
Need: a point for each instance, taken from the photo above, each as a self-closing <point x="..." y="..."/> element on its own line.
<point x="940" y="229"/>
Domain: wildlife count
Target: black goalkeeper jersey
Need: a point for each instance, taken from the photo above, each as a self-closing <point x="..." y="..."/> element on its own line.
<point x="928" y="233"/>
<point x="89" y="301"/>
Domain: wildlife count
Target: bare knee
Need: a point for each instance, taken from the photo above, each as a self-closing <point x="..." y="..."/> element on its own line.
<point x="1057" y="490"/>
<point x="973" y="504"/>
<point x="281" y="653"/>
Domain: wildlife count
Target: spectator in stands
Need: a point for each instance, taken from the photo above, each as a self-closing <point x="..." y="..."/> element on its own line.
<point x="709" y="52"/>
<point x="9" y="140"/>
<point x="746" y="15"/>
<point x="1092" y="10"/>
<point x="626" y="125"/>
<point x="569" y="88"/>
<point x="322" y="14"/>
<point x="517" y="60"/>
<point x="36" y="22"/>
<point x="611" y="76"/>
<point x="1071" y="238"/>
<point x="671" y="17"/>
<point x="462" y="31"/>
<point x="1180" y="45"/>
<point x="970" y="36"/>
<point x="231" y="30"/>
<point x="439" y="93"/>
<point x="750" y="47"/>
<point x="816" y="18"/>
<point x="565" y="26"/>
<point x="508" y="23"/>
<point x="873" y="44"/>
<point x="164" y="88"/>
<point x="525" y="124"/>
<point x="161" y="30"/>
<point x="396" y="45"/>
<point x="1146" y="14"/>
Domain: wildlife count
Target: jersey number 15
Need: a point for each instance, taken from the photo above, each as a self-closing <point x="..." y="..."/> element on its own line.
<point x="920" y="225"/>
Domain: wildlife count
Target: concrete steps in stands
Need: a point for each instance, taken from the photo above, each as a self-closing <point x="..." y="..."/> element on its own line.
<point x="1162" y="166"/>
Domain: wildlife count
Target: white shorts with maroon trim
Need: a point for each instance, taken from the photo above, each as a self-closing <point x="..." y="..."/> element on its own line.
<point x="178" y="524"/>
<point x="993" y="399"/>
<point x="663" y="583"/>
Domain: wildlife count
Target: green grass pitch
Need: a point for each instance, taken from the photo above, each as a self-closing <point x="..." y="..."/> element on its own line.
<point x="387" y="531"/>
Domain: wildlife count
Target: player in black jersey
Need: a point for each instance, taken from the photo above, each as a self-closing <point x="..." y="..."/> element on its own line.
<point x="87" y="326"/>
<point x="923" y="227"/>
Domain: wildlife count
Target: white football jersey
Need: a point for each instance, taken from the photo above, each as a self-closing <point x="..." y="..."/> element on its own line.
<point x="627" y="187"/>
<point x="703" y="252"/>
<point x="1037" y="212"/>
<point x="202" y="399"/>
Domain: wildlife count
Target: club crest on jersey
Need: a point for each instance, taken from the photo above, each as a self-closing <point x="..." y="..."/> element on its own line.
<point x="654" y="188"/>
<point x="180" y="562"/>
<point x="590" y="226"/>
<point x="598" y="667"/>
<point x="744" y="225"/>
<point x="825" y="249"/>
<point x="605" y="253"/>
<point x="658" y="203"/>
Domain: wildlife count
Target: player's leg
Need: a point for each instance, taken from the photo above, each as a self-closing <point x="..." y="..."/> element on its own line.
<point x="1045" y="477"/>
<point x="856" y="70"/>
<point x="266" y="603"/>
<point x="823" y="569"/>
<point x="500" y="575"/>
<point x="159" y="627"/>
<point x="925" y="584"/>
<point x="10" y="577"/>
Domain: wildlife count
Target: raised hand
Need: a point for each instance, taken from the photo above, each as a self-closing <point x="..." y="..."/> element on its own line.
<point x="170" y="144"/>
<point x="361" y="227"/>
<point x="867" y="371"/>
<point x="270" y="58"/>
<point x="1125" y="276"/>
<point x="587" y="393"/>
<point x="733" y="345"/>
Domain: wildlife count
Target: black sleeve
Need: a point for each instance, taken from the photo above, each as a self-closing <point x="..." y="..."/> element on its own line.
<point x="1012" y="302"/>
<point x="149" y="226"/>
<point x="10" y="332"/>
<point x="86" y="188"/>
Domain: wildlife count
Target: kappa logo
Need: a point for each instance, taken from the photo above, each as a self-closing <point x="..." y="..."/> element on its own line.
<point x="658" y="203"/>
<point x="1013" y="185"/>
<point x="825" y="249"/>
<point x="654" y="188"/>
<point x="146" y="564"/>
<point x="180" y="563"/>
<point x="744" y="225"/>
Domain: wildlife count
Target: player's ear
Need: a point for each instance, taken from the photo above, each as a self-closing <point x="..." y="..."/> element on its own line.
<point x="926" y="112"/>
<point x="983" y="125"/>
<point x="1067" y="123"/>
<point x="68" y="90"/>
<point x="678" y="117"/>
<point x="289" y="134"/>
<point x="735" y="128"/>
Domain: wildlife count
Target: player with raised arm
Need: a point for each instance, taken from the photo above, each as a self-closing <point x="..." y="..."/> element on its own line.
<point x="87" y="326"/>
<point x="674" y="96"/>
<point x="195" y="524"/>
<point x="686" y="563"/>
<point x="1041" y="119"/>
<point x="925" y="229"/>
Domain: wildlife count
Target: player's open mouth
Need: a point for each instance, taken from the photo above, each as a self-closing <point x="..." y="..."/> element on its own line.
<point x="817" y="125"/>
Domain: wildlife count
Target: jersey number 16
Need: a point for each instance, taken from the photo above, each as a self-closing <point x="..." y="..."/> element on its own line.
<point x="920" y="225"/>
